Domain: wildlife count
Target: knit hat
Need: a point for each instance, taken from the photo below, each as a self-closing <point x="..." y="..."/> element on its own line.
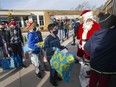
<point x="86" y="14"/>
<point x="13" y="23"/>
<point x="107" y="21"/>
<point x="30" y="25"/>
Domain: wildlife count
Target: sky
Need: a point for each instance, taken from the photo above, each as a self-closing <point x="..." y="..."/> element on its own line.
<point x="46" y="4"/>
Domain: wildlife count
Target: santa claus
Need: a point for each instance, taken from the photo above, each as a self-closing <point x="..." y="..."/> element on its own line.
<point x="86" y="29"/>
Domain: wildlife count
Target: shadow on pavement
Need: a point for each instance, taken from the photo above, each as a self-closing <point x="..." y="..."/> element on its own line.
<point x="9" y="74"/>
<point x="28" y="80"/>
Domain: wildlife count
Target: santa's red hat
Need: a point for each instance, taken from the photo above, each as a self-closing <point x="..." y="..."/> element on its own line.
<point x="30" y="25"/>
<point x="86" y="14"/>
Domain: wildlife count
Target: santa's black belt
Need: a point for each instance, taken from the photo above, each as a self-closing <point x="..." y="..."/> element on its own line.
<point x="84" y="39"/>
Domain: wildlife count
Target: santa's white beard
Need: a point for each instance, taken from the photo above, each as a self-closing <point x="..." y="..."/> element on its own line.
<point x="87" y="25"/>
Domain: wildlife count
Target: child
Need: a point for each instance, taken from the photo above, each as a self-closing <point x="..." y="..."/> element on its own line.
<point x="39" y="34"/>
<point x="51" y="43"/>
<point x="34" y="48"/>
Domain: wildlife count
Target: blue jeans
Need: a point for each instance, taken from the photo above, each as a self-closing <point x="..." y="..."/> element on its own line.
<point x="66" y="33"/>
<point x="60" y="34"/>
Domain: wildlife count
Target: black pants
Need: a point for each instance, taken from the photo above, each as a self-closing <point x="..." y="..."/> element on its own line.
<point x="53" y="72"/>
<point x="17" y="49"/>
<point x="74" y="36"/>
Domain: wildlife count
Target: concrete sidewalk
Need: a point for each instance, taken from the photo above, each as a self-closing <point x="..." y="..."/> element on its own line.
<point x="27" y="78"/>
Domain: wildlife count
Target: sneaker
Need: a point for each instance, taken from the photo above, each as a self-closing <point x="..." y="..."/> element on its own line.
<point x="76" y="61"/>
<point x="73" y="44"/>
<point x="59" y="79"/>
<point x="39" y="75"/>
<point x="53" y="83"/>
<point x="24" y="66"/>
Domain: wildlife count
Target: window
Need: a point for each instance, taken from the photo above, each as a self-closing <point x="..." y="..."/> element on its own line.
<point x="25" y="18"/>
<point x="18" y="20"/>
<point x="34" y="19"/>
<point x="41" y="20"/>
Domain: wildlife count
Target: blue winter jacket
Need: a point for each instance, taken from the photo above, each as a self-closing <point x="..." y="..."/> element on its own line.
<point x="102" y="50"/>
<point x="32" y="41"/>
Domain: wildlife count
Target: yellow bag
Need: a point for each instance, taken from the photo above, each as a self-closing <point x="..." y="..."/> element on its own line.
<point x="40" y="44"/>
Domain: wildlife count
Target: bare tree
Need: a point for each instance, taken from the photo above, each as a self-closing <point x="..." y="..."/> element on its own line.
<point x="85" y="5"/>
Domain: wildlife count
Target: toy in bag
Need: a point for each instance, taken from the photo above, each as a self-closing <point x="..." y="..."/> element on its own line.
<point x="63" y="64"/>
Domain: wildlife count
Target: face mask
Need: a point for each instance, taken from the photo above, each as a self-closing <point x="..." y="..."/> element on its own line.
<point x="34" y="28"/>
<point x="55" y="32"/>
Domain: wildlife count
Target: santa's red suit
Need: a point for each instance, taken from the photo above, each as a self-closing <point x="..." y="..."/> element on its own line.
<point x="84" y="33"/>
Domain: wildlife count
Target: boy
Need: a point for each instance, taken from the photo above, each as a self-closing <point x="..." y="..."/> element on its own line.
<point x="51" y="43"/>
<point x="34" y="48"/>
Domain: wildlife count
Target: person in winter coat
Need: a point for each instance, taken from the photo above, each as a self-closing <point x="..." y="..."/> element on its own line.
<point x="35" y="49"/>
<point x="39" y="34"/>
<point x="102" y="50"/>
<point x="15" y="42"/>
<point x="4" y="38"/>
<point x="51" y="43"/>
<point x="86" y="30"/>
<point x="76" y="27"/>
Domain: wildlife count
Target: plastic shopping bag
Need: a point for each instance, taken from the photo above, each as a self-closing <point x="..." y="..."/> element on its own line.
<point x="63" y="64"/>
<point x="5" y="63"/>
<point x="12" y="63"/>
<point x="84" y="81"/>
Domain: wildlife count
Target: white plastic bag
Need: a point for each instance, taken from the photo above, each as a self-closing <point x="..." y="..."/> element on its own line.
<point x="35" y="62"/>
<point x="12" y="63"/>
<point x="83" y="74"/>
<point x="65" y="51"/>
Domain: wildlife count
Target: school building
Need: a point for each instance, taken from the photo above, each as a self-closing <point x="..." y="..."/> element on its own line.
<point x="41" y="17"/>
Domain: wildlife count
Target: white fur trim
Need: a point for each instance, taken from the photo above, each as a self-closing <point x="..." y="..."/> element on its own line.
<point x="80" y="17"/>
<point x="85" y="31"/>
<point x="88" y="15"/>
